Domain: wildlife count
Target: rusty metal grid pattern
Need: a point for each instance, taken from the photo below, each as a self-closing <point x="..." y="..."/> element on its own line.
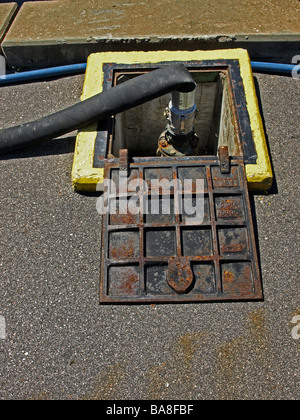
<point x="164" y="258"/>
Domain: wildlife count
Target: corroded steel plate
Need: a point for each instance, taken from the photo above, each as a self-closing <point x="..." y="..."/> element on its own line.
<point x="153" y="251"/>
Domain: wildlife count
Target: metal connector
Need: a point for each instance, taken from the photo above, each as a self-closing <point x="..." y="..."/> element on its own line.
<point x="179" y="138"/>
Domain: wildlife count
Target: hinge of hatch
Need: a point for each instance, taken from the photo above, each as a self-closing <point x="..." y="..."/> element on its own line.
<point x="224" y="160"/>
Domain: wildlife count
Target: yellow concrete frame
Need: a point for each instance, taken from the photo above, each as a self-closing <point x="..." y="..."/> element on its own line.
<point x="85" y="177"/>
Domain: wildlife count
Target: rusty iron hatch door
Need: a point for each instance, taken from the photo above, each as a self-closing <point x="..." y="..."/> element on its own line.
<point x="170" y="256"/>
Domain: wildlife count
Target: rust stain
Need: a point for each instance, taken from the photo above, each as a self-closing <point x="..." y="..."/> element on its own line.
<point x="236" y="356"/>
<point x="106" y="385"/>
<point x="45" y="395"/>
<point x="130" y="286"/>
<point x="228" y="276"/>
<point x="127" y="250"/>
<point x="230" y="356"/>
<point x="158" y="378"/>
<point x="163" y="379"/>
<point x="187" y="345"/>
<point x="257" y="330"/>
<point x="233" y="248"/>
<point x="122" y="219"/>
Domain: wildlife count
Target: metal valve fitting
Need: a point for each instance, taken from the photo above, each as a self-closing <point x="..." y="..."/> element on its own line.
<point x="179" y="138"/>
<point x="181" y="113"/>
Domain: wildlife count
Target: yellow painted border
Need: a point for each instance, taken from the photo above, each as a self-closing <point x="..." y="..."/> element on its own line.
<point x="85" y="177"/>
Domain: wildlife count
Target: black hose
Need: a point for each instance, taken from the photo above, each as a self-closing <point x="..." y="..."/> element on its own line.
<point x="127" y="95"/>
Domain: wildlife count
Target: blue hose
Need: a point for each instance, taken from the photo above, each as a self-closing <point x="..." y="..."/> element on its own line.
<point x="80" y="68"/>
<point x="43" y="73"/>
<point x="272" y="67"/>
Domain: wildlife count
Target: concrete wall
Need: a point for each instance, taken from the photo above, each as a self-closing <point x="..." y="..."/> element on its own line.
<point x="50" y="33"/>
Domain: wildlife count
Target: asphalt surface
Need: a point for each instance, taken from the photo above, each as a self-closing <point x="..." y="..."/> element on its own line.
<point x="59" y="343"/>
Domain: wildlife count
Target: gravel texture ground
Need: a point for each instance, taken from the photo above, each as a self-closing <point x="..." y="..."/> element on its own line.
<point x="57" y="342"/>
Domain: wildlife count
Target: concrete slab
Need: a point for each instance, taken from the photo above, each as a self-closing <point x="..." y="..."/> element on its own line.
<point x="7" y="13"/>
<point x="60" y="32"/>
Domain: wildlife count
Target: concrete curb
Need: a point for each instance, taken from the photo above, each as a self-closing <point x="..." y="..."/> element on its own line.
<point x="53" y="33"/>
<point x="46" y="54"/>
<point x="8" y="12"/>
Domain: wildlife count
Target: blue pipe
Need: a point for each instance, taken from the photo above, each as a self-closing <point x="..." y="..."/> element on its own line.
<point x="80" y="68"/>
<point x="43" y="73"/>
<point x="272" y="67"/>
